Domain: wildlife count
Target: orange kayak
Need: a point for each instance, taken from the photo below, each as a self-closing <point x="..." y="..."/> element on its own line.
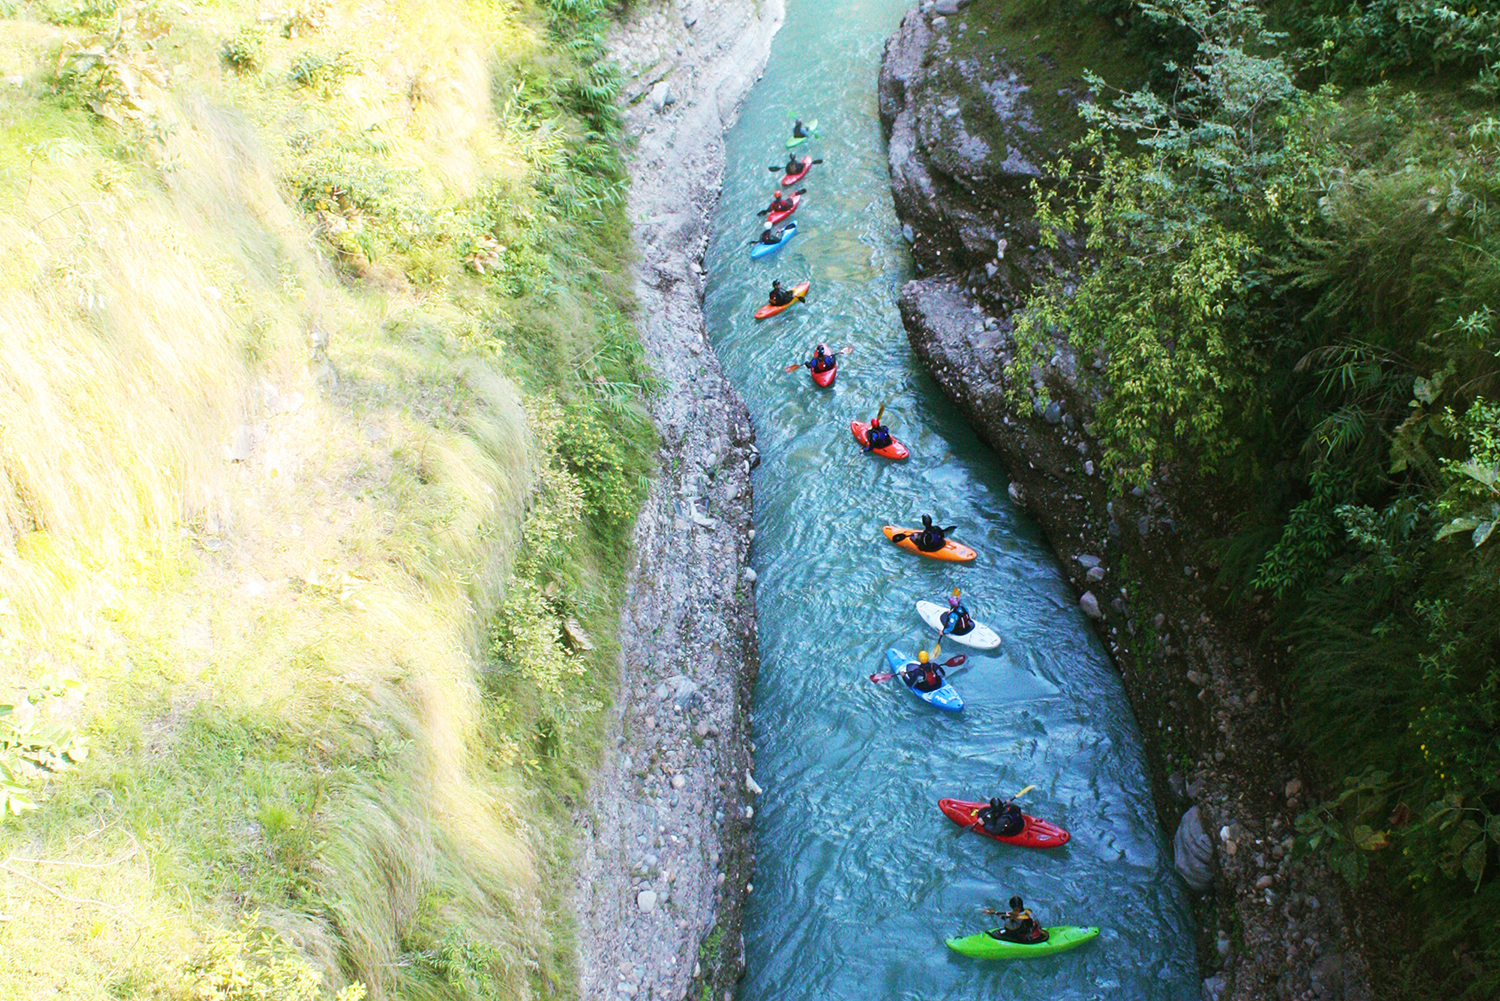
<point x="953" y="552"/>
<point x="799" y="291"/>
<point x="895" y="450"/>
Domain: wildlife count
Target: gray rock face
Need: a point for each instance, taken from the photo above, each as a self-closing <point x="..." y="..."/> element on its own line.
<point x="1090" y="605"/>
<point x="1193" y="852"/>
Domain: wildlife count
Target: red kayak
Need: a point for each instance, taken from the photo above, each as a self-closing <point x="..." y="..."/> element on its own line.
<point x="824" y="379"/>
<point x="1036" y="833"/>
<point x="791" y="179"/>
<point x="895" y="450"/>
<point x="774" y="217"/>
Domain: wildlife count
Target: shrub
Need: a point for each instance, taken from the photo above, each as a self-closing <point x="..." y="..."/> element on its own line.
<point x="245" y="49"/>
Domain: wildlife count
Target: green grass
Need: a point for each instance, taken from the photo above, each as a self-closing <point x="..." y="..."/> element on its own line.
<point x="335" y="732"/>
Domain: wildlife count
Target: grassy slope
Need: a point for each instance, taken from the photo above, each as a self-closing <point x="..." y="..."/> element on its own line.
<point x="324" y="685"/>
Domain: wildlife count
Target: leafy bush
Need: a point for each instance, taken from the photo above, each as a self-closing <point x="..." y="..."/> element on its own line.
<point x="245" y="49"/>
<point x="322" y="71"/>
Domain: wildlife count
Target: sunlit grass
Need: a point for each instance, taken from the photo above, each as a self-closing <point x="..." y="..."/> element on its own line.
<point x="265" y="460"/>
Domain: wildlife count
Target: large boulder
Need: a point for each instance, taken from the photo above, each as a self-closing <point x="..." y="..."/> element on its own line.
<point x="1193" y="851"/>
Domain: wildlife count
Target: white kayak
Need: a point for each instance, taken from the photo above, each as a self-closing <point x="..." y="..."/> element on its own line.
<point x="981" y="637"/>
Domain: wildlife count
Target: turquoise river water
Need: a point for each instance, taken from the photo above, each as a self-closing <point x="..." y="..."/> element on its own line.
<point x="860" y="878"/>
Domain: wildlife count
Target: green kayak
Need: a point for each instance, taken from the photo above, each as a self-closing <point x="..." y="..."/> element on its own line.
<point x="1059" y="939"/>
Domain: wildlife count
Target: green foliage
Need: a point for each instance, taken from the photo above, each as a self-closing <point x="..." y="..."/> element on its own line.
<point x="245" y="50"/>
<point x="1173" y="198"/>
<point x="322" y="71"/>
<point x="247" y="963"/>
<point x="32" y="747"/>
<point x="596" y="448"/>
<point x="1292" y="295"/>
<point x="1366" y="39"/>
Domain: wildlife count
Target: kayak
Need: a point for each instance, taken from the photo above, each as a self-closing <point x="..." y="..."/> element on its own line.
<point x="1036" y="834"/>
<point x="953" y="552"/>
<point x="945" y="697"/>
<point x="774" y="217"/>
<point x="1059" y="939"/>
<point x="762" y="249"/>
<point x="799" y="291"/>
<point x="981" y="637"/>
<point x="895" y="450"/>
<point x="825" y="379"/>
<point x="812" y="130"/>
<point x="791" y="179"/>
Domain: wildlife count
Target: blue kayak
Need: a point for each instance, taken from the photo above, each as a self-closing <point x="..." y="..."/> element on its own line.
<point x="946" y="697"/>
<point x="762" y="249"/>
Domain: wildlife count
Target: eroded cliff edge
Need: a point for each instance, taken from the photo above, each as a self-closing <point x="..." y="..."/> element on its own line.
<point x="665" y="850"/>
<point x="974" y="98"/>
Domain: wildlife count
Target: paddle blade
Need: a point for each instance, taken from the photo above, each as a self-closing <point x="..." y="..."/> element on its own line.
<point x="882" y="677"/>
<point x="955" y="661"/>
<point x="1023" y="792"/>
<point x="794" y="366"/>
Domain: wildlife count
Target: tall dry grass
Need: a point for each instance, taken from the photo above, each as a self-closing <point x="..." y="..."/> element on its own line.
<point x="262" y="504"/>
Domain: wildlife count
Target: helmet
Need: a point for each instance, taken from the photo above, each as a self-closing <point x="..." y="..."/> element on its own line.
<point x="921" y="656"/>
<point x="952" y="601"/>
<point x="765" y="225"/>
<point x="822" y="348"/>
<point x="926" y="521"/>
<point x="1015" y="903"/>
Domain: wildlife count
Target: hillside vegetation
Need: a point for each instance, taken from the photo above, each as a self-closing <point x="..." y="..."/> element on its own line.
<point x="319" y="450"/>
<point x="1294" y="308"/>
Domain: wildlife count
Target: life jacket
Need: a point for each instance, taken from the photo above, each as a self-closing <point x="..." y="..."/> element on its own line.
<point x="878" y="436"/>
<point x="931" y="677"/>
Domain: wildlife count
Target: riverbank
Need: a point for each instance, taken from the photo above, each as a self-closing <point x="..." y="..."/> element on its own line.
<point x="967" y="113"/>
<point x="665" y="860"/>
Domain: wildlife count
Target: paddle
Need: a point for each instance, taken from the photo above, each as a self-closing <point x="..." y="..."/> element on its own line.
<point x="902" y="536"/>
<point x="885" y="676"/>
<point x="782" y="170"/>
<point x="846" y="349"/>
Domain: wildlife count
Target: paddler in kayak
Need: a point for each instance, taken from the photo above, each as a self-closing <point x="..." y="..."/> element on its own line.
<point x="1019" y="926"/>
<point x="769" y="235"/>
<point x="877" y="435"/>
<point x="780" y="204"/>
<point x="793" y="165"/>
<point x="956" y="619"/>
<point x="1001" y="818"/>
<point x="931" y="538"/>
<point x="821" y="361"/>
<point x="779" y="295"/>
<point x="799" y="131"/>
<point x="924" y="675"/>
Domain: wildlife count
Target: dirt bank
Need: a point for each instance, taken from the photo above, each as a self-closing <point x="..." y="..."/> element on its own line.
<point x="968" y="125"/>
<point x="665" y="853"/>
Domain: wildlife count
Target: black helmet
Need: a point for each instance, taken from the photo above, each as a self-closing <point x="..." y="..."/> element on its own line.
<point x="776" y="283"/>
<point x="1016" y="903"/>
<point x="926" y="521"/>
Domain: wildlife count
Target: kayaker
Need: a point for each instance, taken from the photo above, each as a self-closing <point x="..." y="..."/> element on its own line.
<point x="924" y="675"/>
<point x="931" y="538"/>
<point x="799" y="131"/>
<point x="956" y="619"/>
<point x="877" y="435"/>
<point x="769" y="235"/>
<point x="1002" y="818"/>
<point x="793" y="165"/>
<point x="822" y="361"/>
<point x="1020" y="926"/>
<point x="779" y="295"/>
<point x="780" y="204"/>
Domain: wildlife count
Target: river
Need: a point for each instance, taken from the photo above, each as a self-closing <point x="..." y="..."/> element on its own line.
<point x="860" y="878"/>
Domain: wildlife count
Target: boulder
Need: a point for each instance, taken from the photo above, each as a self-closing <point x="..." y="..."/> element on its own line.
<point x="1090" y="605"/>
<point x="1193" y="851"/>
